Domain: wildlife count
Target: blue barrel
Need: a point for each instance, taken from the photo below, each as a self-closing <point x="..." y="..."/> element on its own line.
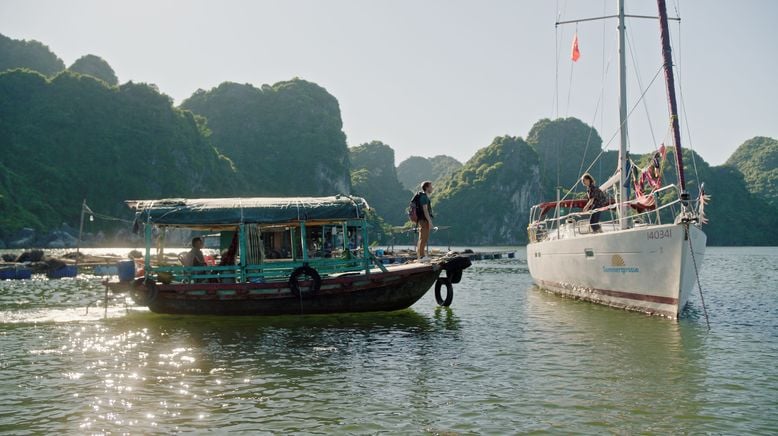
<point x="126" y="270"/>
<point x="7" y="273"/>
<point x="64" y="271"/>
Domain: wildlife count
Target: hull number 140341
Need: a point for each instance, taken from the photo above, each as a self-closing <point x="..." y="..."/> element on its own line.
<point x="660" y="234"/>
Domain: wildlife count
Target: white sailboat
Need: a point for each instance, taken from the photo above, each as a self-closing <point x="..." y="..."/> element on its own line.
<point x="646" y="258"/>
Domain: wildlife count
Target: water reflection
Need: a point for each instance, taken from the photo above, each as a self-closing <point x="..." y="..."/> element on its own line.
<point x="445" y="317"/>
<point x="652" y="366"/>
<point x="213" y="367"/>
<point x="503" y="358"/>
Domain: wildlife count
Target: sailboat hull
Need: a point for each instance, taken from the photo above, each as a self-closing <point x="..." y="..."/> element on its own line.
<point x="650" y="269"/>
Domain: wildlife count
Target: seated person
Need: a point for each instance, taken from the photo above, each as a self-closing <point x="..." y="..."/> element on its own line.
<point x="195" y="256"/>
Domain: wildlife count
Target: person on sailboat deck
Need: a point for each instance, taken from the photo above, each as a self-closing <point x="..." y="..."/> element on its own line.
<point x="597" y="199"/>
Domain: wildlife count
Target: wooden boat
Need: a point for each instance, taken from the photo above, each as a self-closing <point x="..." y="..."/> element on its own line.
<point x="645" y="258"/>
<point x="279" y="256"/>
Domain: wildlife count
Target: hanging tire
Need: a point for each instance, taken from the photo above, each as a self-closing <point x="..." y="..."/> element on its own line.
<point x="312" y="274"/>
<point x="143" y="293"/>
<point x="449" y="291"/>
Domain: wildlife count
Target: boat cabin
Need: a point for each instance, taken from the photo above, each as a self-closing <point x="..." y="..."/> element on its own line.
<point x="258" y="239"/>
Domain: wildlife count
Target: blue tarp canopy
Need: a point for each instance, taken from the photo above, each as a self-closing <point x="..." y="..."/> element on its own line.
<point x="232" y="211"/>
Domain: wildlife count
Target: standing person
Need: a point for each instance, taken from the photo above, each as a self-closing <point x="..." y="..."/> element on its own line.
<point x="425" y="220"/>
<point x="195" y="256"/>
<point x="597" y="199"/>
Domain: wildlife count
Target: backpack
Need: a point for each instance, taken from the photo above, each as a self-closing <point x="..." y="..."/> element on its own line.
<point x="414" y="209"/>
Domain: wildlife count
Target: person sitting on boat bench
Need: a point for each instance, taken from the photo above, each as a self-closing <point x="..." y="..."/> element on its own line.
<point x="597" y="199"/>
<point x="195" y="256"/>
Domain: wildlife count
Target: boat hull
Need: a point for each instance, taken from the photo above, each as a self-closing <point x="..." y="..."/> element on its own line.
<point x="398" y="288"/>
<point x="648" y="269"/>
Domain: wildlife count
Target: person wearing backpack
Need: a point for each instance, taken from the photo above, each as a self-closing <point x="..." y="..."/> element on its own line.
<point x="425" y="219"/>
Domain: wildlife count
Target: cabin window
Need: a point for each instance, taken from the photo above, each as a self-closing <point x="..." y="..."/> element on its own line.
<point x="589" y="253"/>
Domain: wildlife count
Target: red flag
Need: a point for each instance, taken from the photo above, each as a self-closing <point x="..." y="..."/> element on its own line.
<point x="576" y="53"/>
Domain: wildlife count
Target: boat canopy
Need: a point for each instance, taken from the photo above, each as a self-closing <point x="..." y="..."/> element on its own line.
<point x="234" y="211"/>
<point x="577" y="203"/>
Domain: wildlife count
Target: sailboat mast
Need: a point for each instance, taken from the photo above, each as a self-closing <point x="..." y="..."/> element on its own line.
<point x="622" y="118"/>
<point x="670" y="82"/>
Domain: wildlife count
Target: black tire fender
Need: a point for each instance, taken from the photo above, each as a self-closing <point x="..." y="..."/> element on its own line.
<point x="305" y="270"/>
<point x="445" y="302"/>
<point x="144" y="293"/>
<point x="455" y="266"/>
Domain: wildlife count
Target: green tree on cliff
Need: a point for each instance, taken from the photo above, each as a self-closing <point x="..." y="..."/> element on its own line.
<point x="96" y="67"/>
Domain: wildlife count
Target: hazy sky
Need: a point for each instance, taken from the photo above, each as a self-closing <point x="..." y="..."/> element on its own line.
<point x="442" y="76"/>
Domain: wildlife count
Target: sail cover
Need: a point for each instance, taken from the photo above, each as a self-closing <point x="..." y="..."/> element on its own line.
<point x="231" y="211"/>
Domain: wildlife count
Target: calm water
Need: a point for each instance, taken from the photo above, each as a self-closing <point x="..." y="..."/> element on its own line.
<point x="505" y="358"/>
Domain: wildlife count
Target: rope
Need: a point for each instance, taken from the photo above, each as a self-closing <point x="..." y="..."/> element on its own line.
<point x="85" y="208"/>
<point x="697" y="274"/>
<point x="110" y="218"/>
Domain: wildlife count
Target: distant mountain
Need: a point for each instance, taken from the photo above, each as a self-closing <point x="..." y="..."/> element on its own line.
<point x="96" y="67"/>
<point x="488" y="200"/>
<point x="373" y="177"/>
<point x="566" y="146"/>
<point x="31" y="55"/>
<point x="412" y="171"/>
<point x="73" y="135"/>
<point x="443" y="166"/>
<point x="475" y="200"/>
<point x="416" y="169"/>
<point x="737" y="216"/>
<point x="74" y="138"/>
<point x="757" y="159"/>
<point x="285" y="139"/>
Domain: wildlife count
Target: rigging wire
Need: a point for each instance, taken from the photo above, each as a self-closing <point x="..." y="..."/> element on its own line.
<point x="697" y="274"/>
<point x="640" y="86"/>
<point x="607" y="145"/>
<point x="605" y="65"/>
<point x="570" y="81"/>
<point x="560" y="13"/>
<point x="555" y="98"/>
<point x="683" y="103"/>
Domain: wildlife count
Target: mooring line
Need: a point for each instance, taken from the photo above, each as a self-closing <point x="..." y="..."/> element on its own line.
<point x="697" y="274"/>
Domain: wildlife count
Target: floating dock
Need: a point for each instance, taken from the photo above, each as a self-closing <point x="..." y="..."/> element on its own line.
<point x="403" y="256"/>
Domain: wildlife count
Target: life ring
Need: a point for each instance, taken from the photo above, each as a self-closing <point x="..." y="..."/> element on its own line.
<point x="449" y="291"/>
<point x="313" y="275"/>
<point x="143" y="292"/>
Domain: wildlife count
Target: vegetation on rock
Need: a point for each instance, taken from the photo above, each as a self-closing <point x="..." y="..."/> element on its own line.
<point x="373" y="176"/>
<point x="96" y="67"/>
<point x="31" y="55"/>
<point x="285" y="140"/>
<point x="488" y="200"/>
<point x="69" y="135"/>
<point x="757" y="159"/>
<point x="416" y="169"/>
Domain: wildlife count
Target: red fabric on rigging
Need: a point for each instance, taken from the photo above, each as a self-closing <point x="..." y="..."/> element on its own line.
<point x="576" y="53"/>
